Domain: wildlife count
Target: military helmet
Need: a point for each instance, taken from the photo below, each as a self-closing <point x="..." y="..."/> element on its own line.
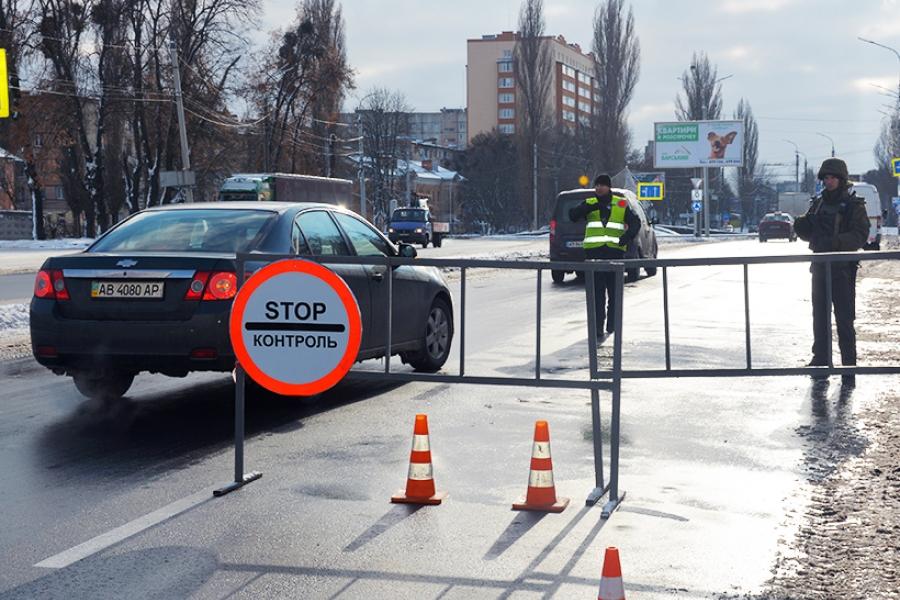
<point x="834" y="166"/>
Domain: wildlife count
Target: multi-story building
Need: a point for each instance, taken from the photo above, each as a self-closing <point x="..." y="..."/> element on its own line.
<point x="446" y="128"/>
<point x="491" y="88"/>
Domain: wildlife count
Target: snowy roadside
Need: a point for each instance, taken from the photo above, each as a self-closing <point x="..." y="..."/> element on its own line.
<point x="24" y="256"/>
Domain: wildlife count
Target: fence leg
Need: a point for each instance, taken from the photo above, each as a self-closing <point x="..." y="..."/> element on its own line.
<point x="601" y="487"/>
<point x="615" y="495"/>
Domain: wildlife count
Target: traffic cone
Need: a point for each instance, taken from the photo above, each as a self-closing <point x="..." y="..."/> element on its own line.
<point x="541" y="494"/>
<point x="611" y="586"/>
<point x="420" y="481"/>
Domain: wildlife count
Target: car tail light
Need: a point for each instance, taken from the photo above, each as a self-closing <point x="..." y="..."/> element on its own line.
<point x="204" y="353"/>
<point x="46" y="351"/>
<point x="552" y="229"/>
<point x="50" y="284"/>
<point x="221" y="286"/>
<point x="198" y="284"/>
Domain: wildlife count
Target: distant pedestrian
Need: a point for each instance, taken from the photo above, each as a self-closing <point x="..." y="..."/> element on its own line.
<point x="835" y="222"/>
<point x="611" y="226"/>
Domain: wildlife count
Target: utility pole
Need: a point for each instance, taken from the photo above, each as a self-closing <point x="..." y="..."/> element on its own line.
<point x="534" y="188"/>
<point x="185" y="152"/>
<point x="362" y="171"/>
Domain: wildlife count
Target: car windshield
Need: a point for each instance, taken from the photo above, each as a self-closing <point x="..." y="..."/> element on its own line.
<point x="409" y="214"/>
<point x="187" y="230"/>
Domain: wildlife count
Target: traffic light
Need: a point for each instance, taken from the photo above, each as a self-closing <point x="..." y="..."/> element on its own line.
<point x="4" y="86"/>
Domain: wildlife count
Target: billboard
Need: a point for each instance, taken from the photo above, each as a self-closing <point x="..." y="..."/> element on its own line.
<point x="687" y="144"/>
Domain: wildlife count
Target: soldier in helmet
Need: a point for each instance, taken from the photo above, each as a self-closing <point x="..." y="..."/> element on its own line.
<point x="835" y="222"/>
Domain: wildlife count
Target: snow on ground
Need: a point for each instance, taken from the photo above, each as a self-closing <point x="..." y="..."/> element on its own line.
<point x="14" y="317"/>
<point x="63" y="244"/>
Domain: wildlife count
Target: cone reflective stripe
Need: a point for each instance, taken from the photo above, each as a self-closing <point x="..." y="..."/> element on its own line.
<point x="420" y="477"/>
<point x="541" y="495"/>
<point x="611" y="585"/>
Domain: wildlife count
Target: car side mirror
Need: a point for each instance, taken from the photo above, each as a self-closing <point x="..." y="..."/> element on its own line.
<point x="407" y="251"/>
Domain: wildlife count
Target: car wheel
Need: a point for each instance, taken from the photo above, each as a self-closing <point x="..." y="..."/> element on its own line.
<point x="631" y="274"/>
<point x="110" y="385"/>
<point x="651" y="271"/>
<point x="761" y="239"/>
<point x="557" y="276"/>
<point x="425" y="242"/>
<point x="436" y="339"/>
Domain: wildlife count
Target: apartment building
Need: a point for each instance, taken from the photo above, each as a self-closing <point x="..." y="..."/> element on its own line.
<point x="491" y="83"/>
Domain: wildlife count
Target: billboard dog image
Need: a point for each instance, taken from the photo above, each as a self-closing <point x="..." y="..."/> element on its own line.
<point x="717" y="143"/>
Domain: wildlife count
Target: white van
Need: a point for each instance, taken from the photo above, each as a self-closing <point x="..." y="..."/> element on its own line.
<point x="869" y="193"/>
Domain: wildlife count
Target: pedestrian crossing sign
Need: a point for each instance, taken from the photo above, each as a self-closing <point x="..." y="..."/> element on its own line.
<point x="650" y="190"/>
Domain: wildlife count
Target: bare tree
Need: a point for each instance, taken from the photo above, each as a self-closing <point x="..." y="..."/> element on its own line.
<point x="490" y="192"/>
<point x="385" y="120"/>
<point x="751" y="176"/>
<point x="703" y="94"/>
<point x="617" y="53"/>
<point x="533" y="69"/>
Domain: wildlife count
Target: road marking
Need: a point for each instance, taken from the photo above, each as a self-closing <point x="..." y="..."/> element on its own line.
<point x="105" y="540"/>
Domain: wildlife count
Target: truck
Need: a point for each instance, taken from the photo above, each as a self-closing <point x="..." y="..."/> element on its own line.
<point x="415" y="224"/>
<point x="286" y="187"/>
<point x="794" y="203"/>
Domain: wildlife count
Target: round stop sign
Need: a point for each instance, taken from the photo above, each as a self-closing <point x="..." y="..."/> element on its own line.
<point x="295" y="327"/>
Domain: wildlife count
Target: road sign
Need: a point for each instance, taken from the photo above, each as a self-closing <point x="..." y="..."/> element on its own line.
<point x="697" y="195"/>
<point x="177" y="178"/>
<point x="4" y="86"/>
<point x="650" y="190"/>
<point x="696" y="206"/>
<point x="895" y="166"/>
<point x="696" y="181"/>
<point x="295" y="327"/>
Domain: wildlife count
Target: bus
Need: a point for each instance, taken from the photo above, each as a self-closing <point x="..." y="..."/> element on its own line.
<point x="286" y="187"/>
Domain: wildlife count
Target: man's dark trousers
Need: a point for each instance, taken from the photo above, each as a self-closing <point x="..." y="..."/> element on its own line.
<point x="604" y="289"/>
<point x="843" y="297"/>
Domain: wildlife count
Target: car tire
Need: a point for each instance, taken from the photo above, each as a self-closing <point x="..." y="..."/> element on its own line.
<point x="557" y="276"/>
<point x="110" y="385"/>
<point x="425" y="242"/>
<point x="761" y="239"/>
<point x="436" y="338"/>
<point x="651" y="271"/>
<point x="438" y="240"/>
<point x="631" y="274"/>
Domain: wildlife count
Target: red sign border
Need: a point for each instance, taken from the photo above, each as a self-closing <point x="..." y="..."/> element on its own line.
<point x="350" y="305"/>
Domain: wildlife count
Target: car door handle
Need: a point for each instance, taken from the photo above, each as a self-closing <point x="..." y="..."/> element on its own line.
<point x="377" y="274"/>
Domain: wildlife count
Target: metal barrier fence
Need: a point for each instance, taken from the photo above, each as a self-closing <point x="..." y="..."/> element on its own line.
<point x="610" y="380"/>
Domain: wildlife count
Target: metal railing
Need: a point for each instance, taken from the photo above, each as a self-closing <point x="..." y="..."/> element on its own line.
<point x="597" y="380"/>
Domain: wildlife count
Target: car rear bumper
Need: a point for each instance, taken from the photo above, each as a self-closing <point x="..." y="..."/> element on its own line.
<point x="154" y="346"/>
<point x="407" y="236"/>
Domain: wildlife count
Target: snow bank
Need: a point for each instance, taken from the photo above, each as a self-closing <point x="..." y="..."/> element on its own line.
<point x="63" y="244"/>
<point x="14" y="318"/>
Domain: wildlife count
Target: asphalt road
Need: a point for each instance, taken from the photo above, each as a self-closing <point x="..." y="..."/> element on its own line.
<point x="712" y="468"/>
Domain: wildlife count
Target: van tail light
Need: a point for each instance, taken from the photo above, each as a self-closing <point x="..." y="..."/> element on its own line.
<point x="222" y="285"/>
<point x="552" y="230"/>
<point x="50" y="283"/>
<point x="212" y="285"/>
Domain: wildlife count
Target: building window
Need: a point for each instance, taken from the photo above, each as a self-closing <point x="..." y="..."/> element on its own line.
<point x="584" y="92"/>
<point x="596" y="97"/>
<point x="568" y="100"/>
<point x="568" y="71"/>
<point x="59" y="193"/>
<point x="583" y="78"/>
<point x="506" y="98"/>
<point x="568" y="86"/>
<point x="568" y="115"/>
<point x="506" y="82"/>
<point x="505" y="66"/>
<point x="507" y="54"/>
<point x="584" y="120"/>
<point x="38" y="140"/>
<point x="508" y="128"/>
<point x="585" y="106"/>
<point x="507" y="113"/>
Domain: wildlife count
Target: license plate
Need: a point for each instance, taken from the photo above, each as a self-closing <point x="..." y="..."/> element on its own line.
<point x="127" y="289"/>
<point x="575" y="244"/>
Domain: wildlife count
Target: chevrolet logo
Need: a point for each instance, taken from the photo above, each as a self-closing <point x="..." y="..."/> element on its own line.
<point x="126" y="263"/>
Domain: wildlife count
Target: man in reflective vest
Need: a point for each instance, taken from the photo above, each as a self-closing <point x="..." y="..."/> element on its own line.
<point x="611" y="225"/>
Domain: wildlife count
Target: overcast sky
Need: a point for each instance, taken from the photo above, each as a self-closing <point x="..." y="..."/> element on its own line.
<point x="798" y="62"/>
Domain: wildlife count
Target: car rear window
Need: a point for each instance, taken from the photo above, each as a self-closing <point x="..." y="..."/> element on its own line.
<point x="563" y="204"/>
<point x="189" y="230"/>
<point x="785" y="218"/>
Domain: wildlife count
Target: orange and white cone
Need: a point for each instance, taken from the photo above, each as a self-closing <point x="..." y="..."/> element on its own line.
<point x="611" y="586"/>
<point x="420" y="481"/>
<point x="541" y="494"/>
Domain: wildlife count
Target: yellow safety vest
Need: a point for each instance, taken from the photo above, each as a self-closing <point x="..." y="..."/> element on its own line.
<point x="596" y="234"/>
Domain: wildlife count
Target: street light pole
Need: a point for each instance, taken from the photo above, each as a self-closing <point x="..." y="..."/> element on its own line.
<point x="796" y="164"/>
<point x="829" y="139"/>
<point x="897" y="54"/>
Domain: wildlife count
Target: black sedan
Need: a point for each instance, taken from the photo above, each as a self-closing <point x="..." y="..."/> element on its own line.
<point x="155" y="292"/>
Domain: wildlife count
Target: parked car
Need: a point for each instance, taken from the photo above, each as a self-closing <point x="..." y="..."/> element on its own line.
<point x="154" y="293"/>
<point x="567" y="236"/>
<point x="777" y="225"/>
